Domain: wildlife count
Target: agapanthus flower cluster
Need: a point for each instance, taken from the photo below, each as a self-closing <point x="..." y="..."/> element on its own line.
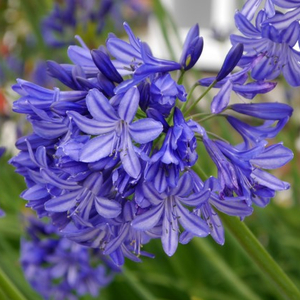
<point x="60" y="269"/>
<point x="271" y="34"/>
<point x="67" y="17"/>
<point x="114" y="160"/>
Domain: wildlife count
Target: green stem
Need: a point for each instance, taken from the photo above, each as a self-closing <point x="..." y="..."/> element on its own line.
<point x="216" y="136"/>
<point x="223" y="268"/>
<point x="197" y="168"/>
<point x="9" y="288"/>
<point x="180" y="79"/>
<point x="189" y="96"/>
<point x="202" y="114"/>
<point x="2" y="295"/>
<point x="261" y="257"/>
<point x="210" y="117"/>
<point x="198" y="100"/>
<point x="138" y="288"/>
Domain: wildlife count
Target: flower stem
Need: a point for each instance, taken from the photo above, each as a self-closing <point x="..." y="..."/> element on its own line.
<point x="137" y="287"/>
<point x="198" y="100"/>
<point x="223" y="268"/>
<point x="197" y="168"/>
<point x="261" y="257"/>
<point x="8" y="288"/>
<point x="189" y="96"/>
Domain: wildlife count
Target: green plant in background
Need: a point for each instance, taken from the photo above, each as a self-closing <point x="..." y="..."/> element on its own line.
<point x="87" y="184"/>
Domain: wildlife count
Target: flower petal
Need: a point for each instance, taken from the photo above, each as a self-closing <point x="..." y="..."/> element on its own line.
<point x="99" y="107"/>
<point x="184" y="185"/>
<point x="35" y="192"/>
<point x="192" y="222"/>
<point x="232" y="208"/>
<point x="129" y="104"/>
<point x="97" y="148"/>
<point x="145" y="130"/>
<point x="62" y="203"/>
<point x="148" y="219"/>
<point x="91" y="126"/>
<point x="265" y="111"/>
<point x="169" y="236"/>
<point x="221" y="100"/>
<point x="268" y="180"/>
<point x="196" y="199"/>
<point x="107" y="208"/>
<point x="130" y="161"/>
<point x="273" y="157"/>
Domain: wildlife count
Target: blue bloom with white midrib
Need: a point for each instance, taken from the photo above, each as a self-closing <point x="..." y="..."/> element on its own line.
<point x="111" y="161"/>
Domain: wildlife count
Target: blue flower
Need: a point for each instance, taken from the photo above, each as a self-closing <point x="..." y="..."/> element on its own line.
<point x="240" y="170"/>
<point x="232" y="207"/>
<point x="273" y="37"/>
<point x="66" y="18"/>
<point x="115" y="130"/>
<point x="57" y="267"/>
<point x="237" y="83"/>
<point x="254" y="134"/>
<point x="192" y="48"/>
<point x="179" y="146"/>
<point x="163" y="93"/>
<point x="168" y="210"/>
<point x="265" y="111"/>
<point x="231" y="60"/>
<point x="126" y="240"/>
<point x="287" y="3"/>
<point x="80" y="199"/>
<point x="110" y="160"/>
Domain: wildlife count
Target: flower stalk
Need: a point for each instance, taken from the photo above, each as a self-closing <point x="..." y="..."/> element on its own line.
<point x="201" y="97"/>
<point x="8" y="288"/>
<point x="261" y="257"/>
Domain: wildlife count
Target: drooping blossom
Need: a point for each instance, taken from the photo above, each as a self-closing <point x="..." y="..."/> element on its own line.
<point x="111" y="158"/>
<point x="59" y="268"/>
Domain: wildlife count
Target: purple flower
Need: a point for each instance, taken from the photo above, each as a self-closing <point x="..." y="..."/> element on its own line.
<point x="110" y="160"/>
<point x="81" y="198"/>
<point x="237" y="83"/>
<point x="168" y="210"/>
<point x="265" y="111"/>
<point x="231" y="60"/>
<point x="287" y="3"/>
<point x="254" y="134"/>
<point x="66" y="18"/>
<point x="115" y="130"/>
<point x="232" y="207"/>
<point x="163" y="93"/>
<point x="273" y="37"/>
<point x="192" y="48"/>
<point x="126" y="240"/>
<point x="57" y="267"/>
<point x="179" y="146"/>
<point x="240" y="171"/>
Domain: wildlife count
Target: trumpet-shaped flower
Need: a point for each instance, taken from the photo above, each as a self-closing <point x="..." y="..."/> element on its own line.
<point x="273" y="37"/>
<point x="115" y="130"/>
<point x="168" y="210"/>
<point x="57" y="267"/>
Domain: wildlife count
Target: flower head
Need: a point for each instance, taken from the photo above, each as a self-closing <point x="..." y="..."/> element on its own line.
<point x="110" y="161"/>
<point x="273" y="37"/>
<point x="57" y="267"/>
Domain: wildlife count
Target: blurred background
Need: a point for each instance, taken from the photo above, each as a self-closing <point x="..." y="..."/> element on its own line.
<point x="34" y="31"/>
